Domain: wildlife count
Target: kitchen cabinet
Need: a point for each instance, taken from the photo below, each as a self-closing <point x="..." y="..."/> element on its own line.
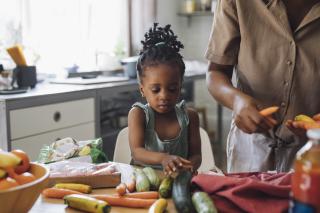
<point x="40" y="119"/>
<point x="33" y="144"/>
<point x="33" y="127"/>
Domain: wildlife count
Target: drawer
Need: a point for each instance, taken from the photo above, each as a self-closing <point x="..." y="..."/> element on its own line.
<point x="32" y="145"/>
<point x="40" y="119"/>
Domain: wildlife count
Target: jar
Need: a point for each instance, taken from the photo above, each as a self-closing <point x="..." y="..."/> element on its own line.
<point x="306" y="177"/>
<point x="190" y="6"/>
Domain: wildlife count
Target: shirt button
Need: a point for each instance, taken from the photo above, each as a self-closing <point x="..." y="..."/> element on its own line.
<point x="289" y="62"/>
<point x="283" y="104"/>
<point x="286" y="83"/>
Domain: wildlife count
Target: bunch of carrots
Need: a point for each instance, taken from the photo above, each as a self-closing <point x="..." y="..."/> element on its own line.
<point x="125" y="196"/>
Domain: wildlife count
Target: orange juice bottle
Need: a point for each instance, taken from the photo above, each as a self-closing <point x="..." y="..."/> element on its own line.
<point x="306" y="178"/>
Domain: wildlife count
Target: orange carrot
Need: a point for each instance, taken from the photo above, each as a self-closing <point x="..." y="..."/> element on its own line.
<point x="269" y="111"/>
<point x="306" y="125"/>
<point x="121" y="189"/>
<point x="309" y="125"/>
<point x="58" y="193"/>
<point x="143" y="195"/>
<point x="125" y="201"/>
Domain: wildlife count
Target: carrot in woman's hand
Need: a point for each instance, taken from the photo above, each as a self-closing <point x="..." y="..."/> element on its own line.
<point x="143" y="195"/>
<point x="58" y="193"/>
<point x="125" y="201"/>
<point x="121" y="189"/>
<point x="316" y="117"/>
<point x="269" y="111"/>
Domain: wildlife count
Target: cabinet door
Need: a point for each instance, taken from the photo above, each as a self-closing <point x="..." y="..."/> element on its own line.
<point x="40" y="119"/>
<point x="32" y="145"/>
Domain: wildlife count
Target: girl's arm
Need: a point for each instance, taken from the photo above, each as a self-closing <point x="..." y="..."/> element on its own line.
<point x="194" y="139"/>
<point x="136" y="124"/>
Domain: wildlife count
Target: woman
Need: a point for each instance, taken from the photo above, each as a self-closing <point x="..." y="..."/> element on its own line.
<point x="273" y="47"/>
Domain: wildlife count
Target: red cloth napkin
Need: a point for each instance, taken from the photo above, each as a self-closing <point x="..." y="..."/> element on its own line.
<point x="247" y="192"/>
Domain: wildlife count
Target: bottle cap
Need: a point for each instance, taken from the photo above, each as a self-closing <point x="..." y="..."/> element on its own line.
<point x="314" y="134"/>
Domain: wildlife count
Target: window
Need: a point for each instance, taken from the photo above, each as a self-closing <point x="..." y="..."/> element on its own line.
<point x="91" y="34"/>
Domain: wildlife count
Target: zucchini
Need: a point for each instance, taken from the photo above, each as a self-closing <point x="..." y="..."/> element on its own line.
<point x="203" y="203"/>
<point x="152" y="177"/>
<point x="142" y="181"/>
<point x="181" y="193"/>
<point x="165" y="188"/>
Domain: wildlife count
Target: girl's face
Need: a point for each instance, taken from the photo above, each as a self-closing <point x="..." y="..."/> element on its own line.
<point x="161" y="86"/>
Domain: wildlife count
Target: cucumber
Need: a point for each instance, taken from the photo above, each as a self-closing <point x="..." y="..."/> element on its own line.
<point x="203" y="203"/>
<point x="142" y="181"/>
<point x="181" y="192"/>
<point x="165" y="188"/>
<point x="152" y="177"/>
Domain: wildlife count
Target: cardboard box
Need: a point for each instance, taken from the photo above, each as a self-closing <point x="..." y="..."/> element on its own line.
<point x="95" y="181"/>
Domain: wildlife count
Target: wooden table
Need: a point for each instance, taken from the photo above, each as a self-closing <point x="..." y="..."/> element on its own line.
<point x="45" y="205"/>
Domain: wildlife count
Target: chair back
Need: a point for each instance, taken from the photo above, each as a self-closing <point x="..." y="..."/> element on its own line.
<point x="122" y="152"/>
<point x="206" y="152"/>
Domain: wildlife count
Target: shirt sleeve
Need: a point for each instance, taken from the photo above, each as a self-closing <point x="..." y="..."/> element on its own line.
<point x="224" y="42"/>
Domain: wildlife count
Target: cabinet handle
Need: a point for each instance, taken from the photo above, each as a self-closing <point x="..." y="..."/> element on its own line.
<point x="57" y="116"/>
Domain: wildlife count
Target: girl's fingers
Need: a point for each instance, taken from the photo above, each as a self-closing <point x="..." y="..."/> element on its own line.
<point x="188" y="167"/>
<point x="168" y="170"/>
<point x="185" y="161"/>
<point x="172" y="167"/>
<point x="178" y="162"/>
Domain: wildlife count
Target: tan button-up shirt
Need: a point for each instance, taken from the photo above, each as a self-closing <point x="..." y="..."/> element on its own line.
<point x="275" y="66"/>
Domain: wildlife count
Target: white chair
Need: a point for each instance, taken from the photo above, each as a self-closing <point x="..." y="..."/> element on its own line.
<point x="122" y="152"/>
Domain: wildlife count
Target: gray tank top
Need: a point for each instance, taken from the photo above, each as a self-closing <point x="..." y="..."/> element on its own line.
<point x="176" y="146"/>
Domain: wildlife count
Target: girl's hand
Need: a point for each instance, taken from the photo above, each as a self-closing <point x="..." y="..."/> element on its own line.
<point x="173" y="163"/>
<point x="247" y="116"/>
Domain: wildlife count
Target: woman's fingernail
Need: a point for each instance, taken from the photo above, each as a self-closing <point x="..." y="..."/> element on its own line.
<point x="180" y="164"/>
<point x="174" y="169"/>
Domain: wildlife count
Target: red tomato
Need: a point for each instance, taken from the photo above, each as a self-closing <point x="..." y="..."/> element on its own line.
<point x="25" y="165"/>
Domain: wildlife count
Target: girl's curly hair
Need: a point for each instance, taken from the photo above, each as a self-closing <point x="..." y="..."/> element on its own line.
<point x="160" y="47"/>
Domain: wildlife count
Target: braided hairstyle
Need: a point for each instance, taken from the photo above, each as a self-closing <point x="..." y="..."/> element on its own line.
<point x="160" y="47"/>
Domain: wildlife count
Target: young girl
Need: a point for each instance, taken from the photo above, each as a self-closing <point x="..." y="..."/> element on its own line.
<point x="163" y="133"/>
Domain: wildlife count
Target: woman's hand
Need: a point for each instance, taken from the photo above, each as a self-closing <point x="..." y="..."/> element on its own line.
<point x="247" y="116"/>
<point x="173" y="163"/>
<point x="297" y="128"/>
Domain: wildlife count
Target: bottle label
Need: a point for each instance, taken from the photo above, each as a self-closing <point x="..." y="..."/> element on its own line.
<point x="298" y="207"/>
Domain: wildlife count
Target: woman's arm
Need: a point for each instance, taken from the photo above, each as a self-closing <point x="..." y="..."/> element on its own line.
<point x="246" y="110"/>
<point x="194" y="140"/>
